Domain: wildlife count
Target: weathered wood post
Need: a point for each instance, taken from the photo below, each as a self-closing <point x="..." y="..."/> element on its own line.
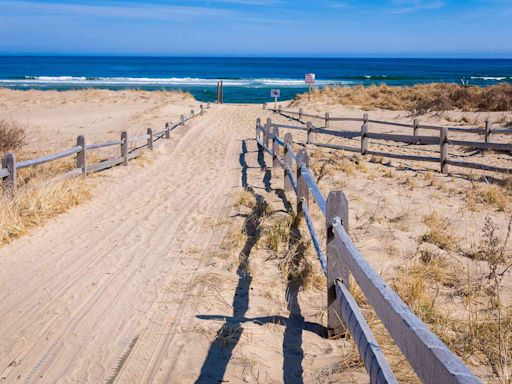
<point x="337" y="207"/>
<point x="443" y="140"/>
<point x="326" y="119"/>
<point x="280" y="109"/>
<point x="264" y="105"/>
<point x="9" y="181"/>
<point x="182" y="118"/>
<point x="124" y="147"/>
<point x="309" y="128"/>
<point x="258" y="133"/>
<point x="266" y="135"/>
<point x="488" y="130"/>
<point x="150" y="138"/>
<point x="218" y="92"/>
<point x="192" y="113"/>
<point x="416" y="130"/>
<point x="288" y="162"/>
<point x="364" y="135"/>
<point x="81" y="157"/>
<point x="201" y="110"/>
<point x="301" y="112"/>
<point x="167" y="130"/>
<point x="275" y="148"/>
<point x="302" y="187"/>
<point x="258" y="124"/>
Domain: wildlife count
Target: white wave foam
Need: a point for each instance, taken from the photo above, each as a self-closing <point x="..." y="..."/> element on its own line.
<point x="185" y="81"/>
<point x="489" y="78"/>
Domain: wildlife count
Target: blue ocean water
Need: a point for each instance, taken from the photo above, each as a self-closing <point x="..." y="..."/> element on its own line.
<point x="246" y="80"/>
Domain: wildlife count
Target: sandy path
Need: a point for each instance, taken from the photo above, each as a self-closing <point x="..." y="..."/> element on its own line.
<point x="133" y="286"/>
<point x="78" y="293"/>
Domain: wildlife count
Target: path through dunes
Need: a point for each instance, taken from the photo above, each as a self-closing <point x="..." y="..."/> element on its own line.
<point x="133" y="286"/>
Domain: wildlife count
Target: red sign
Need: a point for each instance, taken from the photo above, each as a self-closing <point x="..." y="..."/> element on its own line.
<point x="310" y="78"/>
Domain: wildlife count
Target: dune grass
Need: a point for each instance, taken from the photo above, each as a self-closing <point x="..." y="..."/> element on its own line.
<point x="12" y="135"/>
<point x="418" y="99"/>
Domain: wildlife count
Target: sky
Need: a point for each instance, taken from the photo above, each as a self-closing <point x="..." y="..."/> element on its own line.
<point x="308" y="28"/>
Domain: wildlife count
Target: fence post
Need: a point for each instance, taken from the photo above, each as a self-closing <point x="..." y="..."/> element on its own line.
<point x="302" y="187"/>
<point x="364" y="135"/>
<point x="301" y="112"/>
<point x="167" y="130"/>
<point x="182" y="118"/>
<point x="266" y="136"/>
<point x="264" y="105"/>
<point x="488" y="129"/>
<point x="81" y="157"/>
<point x="337" y="206"/>
<point x="443" y="140"/>
<point x="288" y="162"/>
<point x="258" y="126"/>
<point x="326" y="119"/>
<point x="150" y="138"/>
<point x="275" y="148"/>
<point x="280" y="109"/>
<point x="192" y="113"/>
<point x="124" y="147"/>
<point x="201" y="110"/>
<point x="309" y="127"/>
<point x="9" y="182"/>
<point x="416" y="130"/>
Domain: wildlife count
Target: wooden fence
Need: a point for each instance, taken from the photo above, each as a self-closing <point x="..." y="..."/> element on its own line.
<point x="443" y="139"/>
<point x="10" y="166"/>
<point x="432" y="361"/>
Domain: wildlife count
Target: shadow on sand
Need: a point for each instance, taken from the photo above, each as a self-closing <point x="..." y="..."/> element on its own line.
<point x="221" y="349"/>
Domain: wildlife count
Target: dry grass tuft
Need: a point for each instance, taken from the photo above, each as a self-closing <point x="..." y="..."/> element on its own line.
<point x="438" y="232"/>
<point x="31" y="206"/>
<point x="487" y="194"/>
<point x="245" y="199"/>
<point x="229" y="334"/>
<point x="278" y="234"/>
<point x="12" y="135"/>
<point x="418" y="99"/>
<point x="299" y="269"/>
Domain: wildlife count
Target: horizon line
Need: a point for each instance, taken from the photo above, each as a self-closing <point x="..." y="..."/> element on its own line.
<point x="475" y="56"/>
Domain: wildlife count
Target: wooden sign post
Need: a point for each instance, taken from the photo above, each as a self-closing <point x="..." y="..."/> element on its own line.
<point x="310" y="81"/>
<point x="275" y="93"/>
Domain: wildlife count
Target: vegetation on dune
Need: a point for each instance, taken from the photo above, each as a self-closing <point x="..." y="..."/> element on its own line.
<point x="36" y="198"/>
<point x="419" y="99"/>
<point x="12" y="135"/>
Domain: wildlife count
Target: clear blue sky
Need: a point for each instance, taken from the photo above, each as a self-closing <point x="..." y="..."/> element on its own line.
<point x="417" y="28"/>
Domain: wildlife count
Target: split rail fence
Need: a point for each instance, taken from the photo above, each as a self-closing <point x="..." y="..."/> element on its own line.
<point x="10" y="166"/>
<point x="429" y="357"/>
<point x="443" y="139"/>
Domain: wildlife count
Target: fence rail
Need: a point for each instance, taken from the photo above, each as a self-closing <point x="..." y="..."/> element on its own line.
<point x="487" y="130"/>
<point x="10" y="166"/>
<point x="443" y="140"/>
<point x="431" y="360"/>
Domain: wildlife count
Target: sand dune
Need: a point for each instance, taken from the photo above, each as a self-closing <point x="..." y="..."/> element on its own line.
<point x="168" y="274"/>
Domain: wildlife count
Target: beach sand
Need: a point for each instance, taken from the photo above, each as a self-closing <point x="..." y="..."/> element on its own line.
<point x="164" y="275"/>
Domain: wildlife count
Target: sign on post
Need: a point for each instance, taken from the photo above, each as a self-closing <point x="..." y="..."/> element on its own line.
<point x="275" y="93"/>
<point x="310" y="81"/>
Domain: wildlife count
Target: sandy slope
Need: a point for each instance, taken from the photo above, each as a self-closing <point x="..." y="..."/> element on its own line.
<point x="133" y="285"/>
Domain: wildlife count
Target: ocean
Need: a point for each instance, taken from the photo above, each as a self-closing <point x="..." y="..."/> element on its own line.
<point x="246" y="80"/>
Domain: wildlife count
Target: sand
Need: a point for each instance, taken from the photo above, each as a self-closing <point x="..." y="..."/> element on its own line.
<point x="112" y="291"/>
<point x="142" y="283"/>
